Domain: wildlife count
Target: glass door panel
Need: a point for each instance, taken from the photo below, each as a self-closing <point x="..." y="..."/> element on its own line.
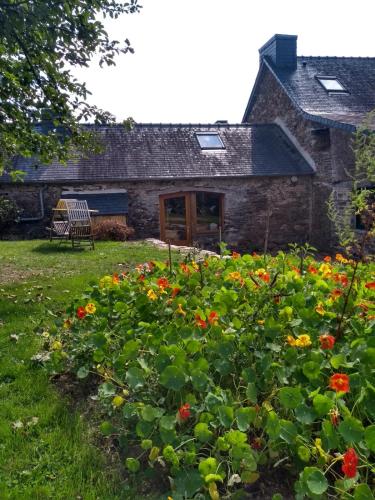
<point x="174" y="219"/>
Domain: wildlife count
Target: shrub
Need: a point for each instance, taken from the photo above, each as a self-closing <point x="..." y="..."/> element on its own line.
<point x="112" y="230"/>
<point x="222" y="369"/>
<point x="9" y="213"/>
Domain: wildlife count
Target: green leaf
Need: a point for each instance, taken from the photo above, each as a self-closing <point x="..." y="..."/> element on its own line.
<point x="107" y="428"/>
<point x="311" y="370"/>
<point x="322" y="404"/>
<point x="173" y="378"/>
<point x="107" y="390"/>
<point x="290" y="397"/>
<point x="133" y="464"/>
<point x="370" y="437"/>
<point x="273" y="425"/>
<point x="167" y="422"/>
<point x="351" y="429"/>
<point x="131" y="349"/>
<point x="363" y="492"/>
<point x="135" y="378"/>
<point x="252" y="393"/>
<point x="304" y="453"/>
<point x="202" y="432"/>
<point x="200" y="381"/>
<point x="329" y="436"/>
<point x="208" y="466"/>
<point x="338" y="360"/>
<point x="149" y="413"/>
<point x="226" y="415"/>
<point x="245" y="417"/>
<point x="249" y="477"/>
<point x="288" y="431"/>
<point x="305" y="414"/>
<point x="234" y="437"/>
<point x="144" y="429"/>
<point x="82" y="372"/>
<point x="187" y="483"/>
<point x="315" y="480"/>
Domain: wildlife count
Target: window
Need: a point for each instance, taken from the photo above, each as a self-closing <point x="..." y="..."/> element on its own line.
<point x="331" y="84"/>
<point x="210" y="141"/>
<point x="208" y="212"/>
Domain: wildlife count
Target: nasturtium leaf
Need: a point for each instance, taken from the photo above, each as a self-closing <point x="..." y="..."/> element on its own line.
<point x="226" y="415"/>
<point x="200" y="381"/>
<point x="131" y="349"/>
<point x="322" y="404"/>
<point x="167" y="422"/>
<point x="234" y="437"/>
<point x="82" y="372"/>
<point x="338" y="360"/>
<point x="202" y="432"/>
<point x="243" y="454"/>
<point x="173" y="378"/>
<point x="149" y="413"/>
<point x="154" y="453"/>
<point x="99" y="340"/>
<point x="245" y="416"/>
<point x="290" y="397"/>
<point x="288" y="431"/>
<point x="351" y="429"/>
<point x="168" y="436"/>
<point x="248" y="374"/>
<point x="363" y="492"/>
<point x="273" y="425"/>
<point x="315" y="480"/>
<point x="251" y="392"/>
<point x="311" y="370"/>
<point x="146" y="444"/>
<point x="304" y="453"/>
<point x="208" y="466"/>
<point x="330" y="436"/>
<point x="143" y="429"/>
<point x="132" y="464"/>
<point x="305" y="414"/>
<point x="193" y="346"/>
<point x="135" y="378"/>
<point x="213" y="478"/>
<point x="249" y="477"/>
<point x="370" y="437"/>
<point x="187" y="483"/>
<point x="106" y="390"/>
<point x="223" y="366"/>
<point x="368" y="357"/>
<point x="107" y="428"/>
<point x="98" y="356"/>
<point x="211" y="400"/>
<point x="129" y="411"/>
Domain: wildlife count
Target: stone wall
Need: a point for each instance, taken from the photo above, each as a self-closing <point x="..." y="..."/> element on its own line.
<point x="245" y="207"/>
<point x="327" y="149"/>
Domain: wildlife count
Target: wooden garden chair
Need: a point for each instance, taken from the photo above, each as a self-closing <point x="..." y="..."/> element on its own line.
<point x="60" y="226"/>
<point x="80" y="227"/>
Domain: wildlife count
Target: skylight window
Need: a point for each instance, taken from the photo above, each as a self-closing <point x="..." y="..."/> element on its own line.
<point x="331" y="84"/>
<point x="210" y="141"/>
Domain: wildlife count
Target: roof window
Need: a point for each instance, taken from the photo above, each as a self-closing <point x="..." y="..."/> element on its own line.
<point x="210" y="140"/>
<point x="331" y="84"/>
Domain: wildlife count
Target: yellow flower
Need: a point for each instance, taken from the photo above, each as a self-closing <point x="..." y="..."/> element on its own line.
<point x="45" y="335"/>
<point x="90" y="308"/>
<point x="234" y="276"/>
<point x="260" y="271"/>
<point x="260" y="321"/>
<point x="57" y="345"/>
<point x="291" y="340"/>
<point x="341" y="258"/>
<point x="320" y="309"/>
<point x="195" y="265"/>
<point x="179" y="310"/>
<point x="117" y="401"/>
<point x="303" y="340"/>
<point x="152" y="295"/>
<point x="67" y="324"/>
<point x="325" y="269"/>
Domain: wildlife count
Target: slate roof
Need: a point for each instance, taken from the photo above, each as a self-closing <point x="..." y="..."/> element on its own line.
<point x="343" y="110"/>
<point x="172" y="151"/>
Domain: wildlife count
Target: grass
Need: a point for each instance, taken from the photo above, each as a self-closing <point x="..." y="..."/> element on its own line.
<point x="47" y="448"/>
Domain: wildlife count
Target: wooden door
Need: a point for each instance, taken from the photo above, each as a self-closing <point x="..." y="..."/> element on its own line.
<point x="175" y="218"/>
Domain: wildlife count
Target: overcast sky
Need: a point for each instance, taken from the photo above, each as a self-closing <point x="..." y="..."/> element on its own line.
<point x="196" y="61"/>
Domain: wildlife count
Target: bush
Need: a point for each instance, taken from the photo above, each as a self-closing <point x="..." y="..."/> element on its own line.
<point x="229" y="367"/>
<point x="112" y="230"/>
<point x="9" y="213"/>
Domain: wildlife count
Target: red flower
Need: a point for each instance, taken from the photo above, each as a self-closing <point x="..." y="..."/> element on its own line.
<point x="236" y="255"/>
<point x="344" y="280"/>
<point x="336" y="293"/>
<point x="295" y="269"/>
<point x="327" y="341"/>
<point x="349" y="467"/>
<point x="184" y="268"/>
<point x="339" y="382"/>
<point x="142" y="277"/>
<point x="327" y="258"/>
<point x="213" y="318"/>
<point x="264" y="277"/>
<point x="115" y="278"/>
<point x="200" y="322"/>
<point x="81" y="313"/>
<point x="256" y="443"/>
<point x="175" y="292"/>
<point x="163" y="283"/>
<point x="370" y="285"/>
<point x="184" y="412"/>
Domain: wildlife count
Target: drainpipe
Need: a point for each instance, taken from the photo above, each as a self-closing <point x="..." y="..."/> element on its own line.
<point x="39" y="218"/>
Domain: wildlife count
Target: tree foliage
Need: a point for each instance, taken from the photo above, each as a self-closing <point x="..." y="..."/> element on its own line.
<point x="41" y="41"/>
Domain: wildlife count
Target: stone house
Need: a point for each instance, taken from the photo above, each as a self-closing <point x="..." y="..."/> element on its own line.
<point x="202" y="183"/>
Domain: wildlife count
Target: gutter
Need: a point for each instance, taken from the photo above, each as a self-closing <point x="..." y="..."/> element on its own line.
<point x="42" y="211"/>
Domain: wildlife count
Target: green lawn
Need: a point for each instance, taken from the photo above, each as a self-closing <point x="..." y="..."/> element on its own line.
<point x="48" y="447"/>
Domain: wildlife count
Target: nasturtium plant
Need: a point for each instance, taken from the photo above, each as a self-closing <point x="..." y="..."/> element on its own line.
<point x="214" y="372"/>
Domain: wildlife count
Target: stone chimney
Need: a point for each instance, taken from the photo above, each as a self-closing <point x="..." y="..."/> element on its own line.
<point x="281" y="50"/>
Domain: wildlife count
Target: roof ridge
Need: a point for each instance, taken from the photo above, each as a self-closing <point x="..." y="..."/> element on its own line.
<point x="169" y="125"/>
<point x="336" y="57"/>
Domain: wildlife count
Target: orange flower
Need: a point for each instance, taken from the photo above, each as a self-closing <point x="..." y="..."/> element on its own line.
<point x="320" y="309"/>
<point x="327" y="258"/>
<point x="115" y="279"/>
<point x="234" y="276"/>
<point x="81" y="313"/>
<point x="349" y="467"/>
<point x="175" y="292"/>
<point x="163" y="283"/>
<point x="339" y="382"/>
<point x="184" y="412"/>
<point x="184" y="268"/>
<point x="236" y="255"/>
<point x="341" y="258"/>
<point x="370" y="285"/>
<point x="141" y="277"/>
<point x="327" y="341"/>
<point x="336" y="293"/>
<point x="312" y="270"/>
<point x="213" y="318"/>
<point x="200" y="322"/>
<point x="344" y="280"/>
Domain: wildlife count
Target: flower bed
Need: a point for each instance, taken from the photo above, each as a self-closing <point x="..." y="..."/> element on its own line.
<point x="219" y="369"/>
